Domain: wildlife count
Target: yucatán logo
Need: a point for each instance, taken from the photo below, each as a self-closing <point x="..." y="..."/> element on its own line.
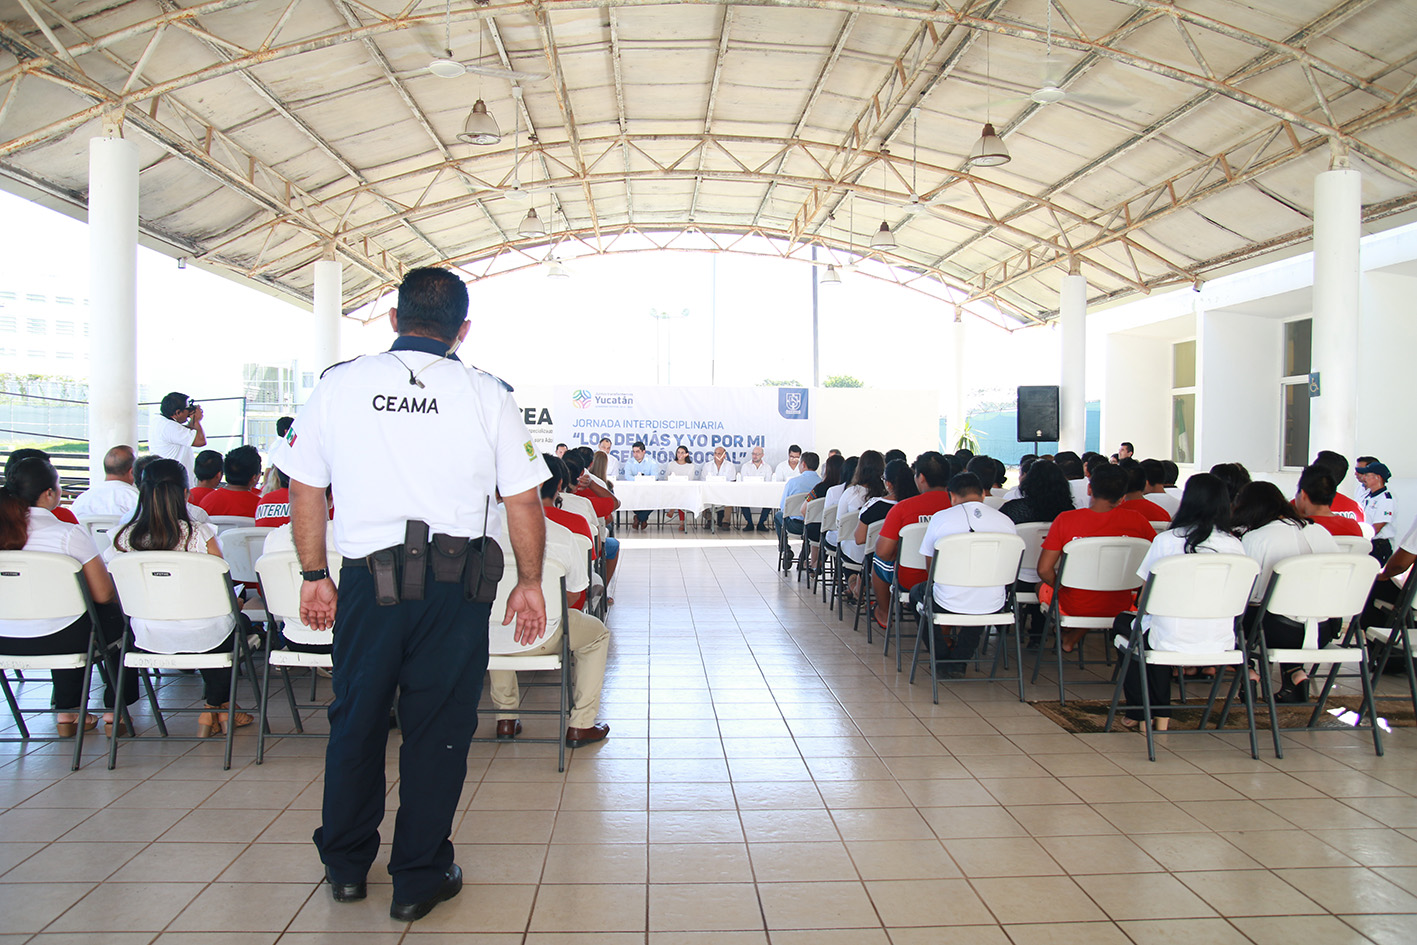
<point x="792" y="403"/>
<point x="581" y="399"/>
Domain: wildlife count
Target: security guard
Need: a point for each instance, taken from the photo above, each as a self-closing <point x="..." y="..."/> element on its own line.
<point x="413" y="442"/>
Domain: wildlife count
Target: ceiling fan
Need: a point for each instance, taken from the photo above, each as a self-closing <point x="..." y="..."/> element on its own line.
<point x="447" y="67"/>
<point x="1051" y="91"/>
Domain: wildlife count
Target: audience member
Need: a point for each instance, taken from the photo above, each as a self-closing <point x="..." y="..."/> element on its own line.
<point x="1045" y="496"/>
<point x="639" y="464"/>
<point x="932" y="497"/>
<point x="26" y="452"/>
<point x="1202" y="524"/>
<point x="892" y="455"/>
<point x="827" y="489"/>
<point x="803" y="482"/>
<point x="177" y="431"/>
<point x="1173" y="473"/>
<point x="116" y="494"/>
<point x="900" y="484"/>
<point x="967" y="513"/>
<point x="834" y="494"/>
<point x="1379" y="508"/>
<point x="1386" y="589"/>
<point x="194" y="512"/>
<point x="1233" y="475"/>
<point x="1076" y="473"/>
<point x="1314" y="500"/>
<point x="1025" y="462"/>
<point x="1136" y="497"/>
<point x="790" y="466"/>
<point x="207" y="474"/>
<point x="1337" y="466"/>
<point x="1156" y="490"/>
<point x="756" y="468"/>
<point x="237" y="496"/>
<point x="1100" y="518"/>
<point x="273" y="510"/>
<point x="867" y="484"/>
<point x="1125" y="451"/>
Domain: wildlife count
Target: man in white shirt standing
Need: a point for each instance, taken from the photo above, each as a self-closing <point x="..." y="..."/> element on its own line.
<point x="116" y="495"/>
<point x="1379" y="507"/>
<point x="967" y="513"/>
<point x="791" y="467"/>
<point x="178" y="432"/>
<point x="756" y="469"/>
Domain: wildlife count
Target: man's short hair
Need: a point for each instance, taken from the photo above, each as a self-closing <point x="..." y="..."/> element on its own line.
<point x="895" y="454"/>
<point x="174" y="402"/>
<point x="586" y="454"/>
<point x="574" y="467"/>
<point x="1364" y="461"/>
<point x="553" y="483"/>
<point x="965" y="483"/>
<point x="1130" y="447"/>
<point x="794" y="448"/>
<point x="1155" y="471"/>
<point x="432" y="302"/>
<point x="932" y="467"/>
<point x="605" y="439"/>
<point x="118" y="461"/>
<point x="639" y="445"/>
<point x="146" y="460"/>
<point x="1318" y="483"/>
<point x="982" y="467"/>
<point x="1136" y="476"/>
<point x="283" y="425"/>
<point x="1070" y="463"/>
<point x="207" y="464"/>
<point x="1091" y="461"/>
<point x="241" y="465"/>
<point x="1109" y="483"/>
<point x="562" y="446"/>
<point x="811" y="461"/>
<point x="1173" y="472"/>
<point x="1335" y="463"/>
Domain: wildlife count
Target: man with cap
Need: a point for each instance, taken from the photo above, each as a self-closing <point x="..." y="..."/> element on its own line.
<point x="1379" y="507"/>
<point x="412" y="609"/>
<point x="177" y="433"/>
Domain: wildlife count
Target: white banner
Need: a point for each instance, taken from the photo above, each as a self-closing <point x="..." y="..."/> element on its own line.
<point x="701" y="418"/>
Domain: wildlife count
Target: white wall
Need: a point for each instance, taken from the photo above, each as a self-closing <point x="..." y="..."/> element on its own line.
<point x="1237" y="390"/>
<point x="1137" y="403"/>
<point x="1387" y="406"/>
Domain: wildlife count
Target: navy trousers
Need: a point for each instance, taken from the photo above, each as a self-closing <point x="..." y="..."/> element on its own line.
<point x="434" y="653"/>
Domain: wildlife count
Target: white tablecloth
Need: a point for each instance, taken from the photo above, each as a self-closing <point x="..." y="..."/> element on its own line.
<point x="752" y="494"/>
<point x="672" y="494"/>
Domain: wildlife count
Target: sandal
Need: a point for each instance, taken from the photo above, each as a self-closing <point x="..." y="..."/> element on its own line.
<point x="71" y="728"/>
<point x="210" y="723"/>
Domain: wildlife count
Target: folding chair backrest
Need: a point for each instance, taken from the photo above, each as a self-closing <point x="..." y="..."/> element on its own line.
<point x="241" y="547"/>
<point x="222" y="522"/>
<point x="1161" y="526"/>
<point x="792" y="506"/>
<point x="501" y="640"/>
<point x="908" y="551"/>
<point x="1354" y="544"/>
<point x="873" y="533"/>
<point x="978" y="559"/>
<point x="812" y="512"/>
<point x="828" y="516"/>
<point x="583" y="544"/>
<point x="100" y="529"/>
<point x="1319" y="586"/>
<point x="279" y="572"/>
<point x="1200" y="585"/>
<point x="1103" y="563"/>
<point x="1032" y="534"/>
<point x="39" y="585"/>
<point x="171" y="585"/>
<point x="846" y="527"/>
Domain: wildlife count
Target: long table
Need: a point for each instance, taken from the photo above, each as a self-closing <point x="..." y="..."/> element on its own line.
<point x="695" y="496"/>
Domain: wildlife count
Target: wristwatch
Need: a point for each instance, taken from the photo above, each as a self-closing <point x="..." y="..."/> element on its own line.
<point x="317" y="575"/>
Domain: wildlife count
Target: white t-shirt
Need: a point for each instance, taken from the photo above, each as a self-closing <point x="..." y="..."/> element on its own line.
<point x="1272" y="543"/>
<point x="197" y="635"/>
<point x="1081" y="499"/>
<point x="172" y="440"/>
<point x="958" y="520"/>
<point x="711" y="469"/>
<point x="1380" y="511"/>
<point x="751" y="471"/>
<point x="109" y="497"/>
<point x="48" y="534"/>
<point x="1188" y="634"/>
<point x="1168" y="502"/>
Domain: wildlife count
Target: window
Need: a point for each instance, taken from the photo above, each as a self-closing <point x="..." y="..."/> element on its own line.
<point x="36" y="326"/>
<point x="1294" y="391"/>
<point x="1183" y="401"/>
<point x="307" y="379"/>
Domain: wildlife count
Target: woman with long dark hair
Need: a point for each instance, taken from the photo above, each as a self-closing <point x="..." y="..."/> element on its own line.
<point x="1045" y="495"/>
<point x="1270" y="531"/>
<point x="27" y="523"/>
<point x="868" y="483"/>
<point x="161" y="523"/>
<point x="1201" y="525"/>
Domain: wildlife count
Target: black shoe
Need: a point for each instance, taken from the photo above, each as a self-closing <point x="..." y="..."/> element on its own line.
<point x="787" y="560"/>
<point x="346" y="892"/>
<point x="748" y="527"/>
<point x="1291" y="693"/>
<point x="763" y="527"/>
<point x="413" y="911"/>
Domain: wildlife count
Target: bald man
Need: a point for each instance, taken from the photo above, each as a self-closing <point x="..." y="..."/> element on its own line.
<point x="116" y="494"/>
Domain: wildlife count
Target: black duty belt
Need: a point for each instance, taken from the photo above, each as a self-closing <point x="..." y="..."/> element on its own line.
<point x="476" y="563"/>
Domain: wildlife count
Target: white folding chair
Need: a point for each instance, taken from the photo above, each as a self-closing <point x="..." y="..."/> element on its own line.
<point x="279" y="572"/>
<point x="1397" y="636"/>
<point x="1089" y="564"/>
<point x="504" y="650"/>
<point x="1354" y="544"/>
<point x="1200" y="586"/>
<point x="865" y="601"/>
<point x="907" y="555"/>
<point x="223" y="522"/>
<point x="241" y="546"/>
<point x="1313" y="588"/>
<point x="1161" y="527"/>
<point x="841" y="564"/>
<point x="972" y="559"/>
<point x="100" y="529"/>
<point x="812" y="514"/>
<point x="177" y="585"/>
<point x="825" y="551"/>
<point x="791" y="508"/>
<point x="37" y="585"/>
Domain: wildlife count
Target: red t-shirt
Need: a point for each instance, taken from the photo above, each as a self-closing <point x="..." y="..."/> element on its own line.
<point x="273" y="509"/>
<point x="1148" y="508"/>
<point x="571" y="520"/>
<point x="910" y="511"/>
<point x="1085" y="523"/>
<point x="231" y="502"/>
<point x="604" y="505"/>
<point x="1338" y="525"/>
<point x="196" y="495"/>
<point x="1344" y="507"/>
<point x="64" y="515"/>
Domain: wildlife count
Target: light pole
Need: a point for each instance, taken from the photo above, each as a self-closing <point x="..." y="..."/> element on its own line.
<point x="660" y="318"/>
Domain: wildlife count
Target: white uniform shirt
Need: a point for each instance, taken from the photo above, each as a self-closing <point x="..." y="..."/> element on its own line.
<point x="958" y="520"/>
<point x="396" y="451"/>
<point x="751" y="470"/>
<point x="728" y="471"/>
<point x="1188" y="634"/>
<point x="1272" y="543"/>
<point x="172" y="440"/>
<point x="1379" y="511"/>
<point x="48" y="534"/>
<point x="785" y="472"/>
<point x="109" y="497"/>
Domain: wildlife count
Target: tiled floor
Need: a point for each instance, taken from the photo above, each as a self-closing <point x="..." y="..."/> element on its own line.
<point x="770" y="779"/>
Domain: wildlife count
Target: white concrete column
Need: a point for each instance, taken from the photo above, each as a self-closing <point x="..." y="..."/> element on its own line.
<point x="113" y="298"/>
<point x="1072" y="397"/>
<point x="954" y="387"/>
<point x="329" y="299"/>
<point x="1333" y="416"/>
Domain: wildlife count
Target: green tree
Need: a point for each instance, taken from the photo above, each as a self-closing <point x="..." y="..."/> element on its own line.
<point x="842" y="380"/>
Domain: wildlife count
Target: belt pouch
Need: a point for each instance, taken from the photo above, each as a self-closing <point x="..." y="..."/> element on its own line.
<point x="483" y="572"/>
<point x="448" y="557"/>
<point x="383" y="567"/>
<point x="415" y="560"/>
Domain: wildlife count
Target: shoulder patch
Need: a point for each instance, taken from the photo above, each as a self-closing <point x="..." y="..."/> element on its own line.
<point x="507" y="387"/>
<point x="530" y="450"/>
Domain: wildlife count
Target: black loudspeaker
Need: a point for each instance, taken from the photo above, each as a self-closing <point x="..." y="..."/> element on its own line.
<point x="1037" y="414"/>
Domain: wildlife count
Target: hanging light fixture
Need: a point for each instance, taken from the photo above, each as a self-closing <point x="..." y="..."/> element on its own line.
<point x="555" y="270"/>
<point x="831" y="276"/>
<point x="989" y="150"/>
<point x="883" y="238"/>
<point x="480" y="127"/>
<point x="531" y="225"/>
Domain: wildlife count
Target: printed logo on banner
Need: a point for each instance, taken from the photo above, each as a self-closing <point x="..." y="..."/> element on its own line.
<point x="792" y="403"/>
<point x="581" y="399"/>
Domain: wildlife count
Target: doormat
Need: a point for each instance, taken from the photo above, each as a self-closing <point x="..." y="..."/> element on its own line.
<point x="1083" y="716"/>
